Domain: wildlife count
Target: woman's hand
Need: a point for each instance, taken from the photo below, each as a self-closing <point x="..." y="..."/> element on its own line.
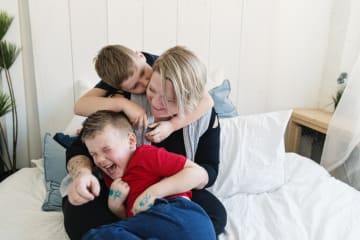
<point x="143" y="202"/>
<point x="161" y="130"/>
<point x="83" y="189"/>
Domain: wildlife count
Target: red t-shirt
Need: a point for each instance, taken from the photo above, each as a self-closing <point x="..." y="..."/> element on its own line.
<point x="147" y="166"/>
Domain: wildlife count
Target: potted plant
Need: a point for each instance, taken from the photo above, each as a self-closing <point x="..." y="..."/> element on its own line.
<point x="5" y="159"/>
<point x="8" y="55"/>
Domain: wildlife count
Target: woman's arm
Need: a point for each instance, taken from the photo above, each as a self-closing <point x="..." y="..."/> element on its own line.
<point x="208" y="150"/>
<point x="77" y="148"/>
<point x="190" y="177"/>
<point x="85" y="186"/>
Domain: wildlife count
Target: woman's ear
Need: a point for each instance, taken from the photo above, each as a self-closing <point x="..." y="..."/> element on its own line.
<point x="132" y="141"/>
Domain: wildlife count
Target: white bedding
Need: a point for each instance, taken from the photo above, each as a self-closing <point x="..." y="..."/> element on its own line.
<point x="310" y="205"/>
<point x="21" y="197"/>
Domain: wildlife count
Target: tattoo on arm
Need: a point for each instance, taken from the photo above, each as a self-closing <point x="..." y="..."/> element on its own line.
<point x="76" y="164"/>
<point x="145" y="201"/>
<point x="114" y="193"/>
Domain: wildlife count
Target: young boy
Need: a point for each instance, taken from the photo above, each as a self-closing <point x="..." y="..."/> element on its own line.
<point x="125" y="72"/>
<point x="141" y="181"/>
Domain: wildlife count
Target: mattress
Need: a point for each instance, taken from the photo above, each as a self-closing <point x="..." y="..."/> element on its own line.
<point x="310" y="205"/>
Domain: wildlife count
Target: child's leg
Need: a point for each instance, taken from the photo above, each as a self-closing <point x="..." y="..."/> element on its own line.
<point x="109" y="231"/>
<point x="175" y="219"/>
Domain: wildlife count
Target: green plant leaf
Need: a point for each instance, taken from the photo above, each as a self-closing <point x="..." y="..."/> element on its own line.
<point x="5" y="22"/>
<point x="8" y="54"/>
<point x="5" y="104"/>
<point x="337" y="97"/>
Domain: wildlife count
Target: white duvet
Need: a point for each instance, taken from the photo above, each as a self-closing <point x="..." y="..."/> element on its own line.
<point x="310" y="205"/>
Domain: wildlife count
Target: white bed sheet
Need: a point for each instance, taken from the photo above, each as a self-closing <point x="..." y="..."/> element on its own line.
<point x="311" y="205"/>
<point x="21" y="218"/>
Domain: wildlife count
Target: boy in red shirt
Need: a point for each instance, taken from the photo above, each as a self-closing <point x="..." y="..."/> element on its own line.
<point x="150" y="188"/>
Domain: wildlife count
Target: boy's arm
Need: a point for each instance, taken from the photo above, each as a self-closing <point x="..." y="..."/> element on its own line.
<point x="118" y="193"/>
<point x="164" y="129"/>
<point x="95" y="100"/>
<point x="119" y="210"/>
<point x="192" y="176"/>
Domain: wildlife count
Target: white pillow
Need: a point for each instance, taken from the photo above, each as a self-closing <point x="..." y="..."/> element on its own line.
<point x="74" y="125"/>
<point x="251" y="154"/>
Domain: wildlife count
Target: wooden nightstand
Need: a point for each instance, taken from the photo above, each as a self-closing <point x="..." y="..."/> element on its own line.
<point x="315" y="119"/>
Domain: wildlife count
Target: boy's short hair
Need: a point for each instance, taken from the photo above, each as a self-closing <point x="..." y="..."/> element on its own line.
<point x="97" y="121"/>
<point x="187" y="74"/>
<point x="114" y="64"/>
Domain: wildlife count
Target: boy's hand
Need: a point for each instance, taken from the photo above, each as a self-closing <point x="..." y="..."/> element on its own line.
<point x="118" y="192"/>
<point x="143" y="202"/>
<point x="83" y="189"/>
<point x="136" y="115"/>
<point x="161" y="131"/>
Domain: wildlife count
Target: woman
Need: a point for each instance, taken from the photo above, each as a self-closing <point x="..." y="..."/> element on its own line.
<point x="176" y="86"/>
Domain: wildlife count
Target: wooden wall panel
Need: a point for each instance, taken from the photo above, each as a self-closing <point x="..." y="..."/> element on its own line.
<point x="299" y="43"/>
<point x="225" y="40"/>
<point x="88" y="35"/>
<point x="255" y="54"/>
<point x="194" y="26"/>
<point x="51" y="41"/>
<point x="271" y="51"/>
<point x="126" y="23"/>
<point x="160" y="25"/>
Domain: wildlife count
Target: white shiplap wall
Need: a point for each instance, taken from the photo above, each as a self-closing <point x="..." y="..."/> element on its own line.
<point x="272" y="51"/>
<point x="67" y="35"/>
<point x="53" y="61"/>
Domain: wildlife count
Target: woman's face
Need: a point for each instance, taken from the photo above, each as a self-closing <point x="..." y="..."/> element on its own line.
<point x="163" y="104"/>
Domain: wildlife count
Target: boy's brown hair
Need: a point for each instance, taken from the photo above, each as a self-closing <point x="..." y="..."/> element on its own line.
<point x="114" y="64"/>
<point x="97" y="121"/>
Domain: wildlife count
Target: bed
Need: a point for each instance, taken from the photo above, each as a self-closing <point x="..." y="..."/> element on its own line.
<point x="268" y="194"/>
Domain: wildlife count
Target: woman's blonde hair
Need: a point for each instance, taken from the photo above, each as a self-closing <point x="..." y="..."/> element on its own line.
<point x="114" y="64"/>
<point x="97" y="121"/>
<point x="187" y="74"/>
